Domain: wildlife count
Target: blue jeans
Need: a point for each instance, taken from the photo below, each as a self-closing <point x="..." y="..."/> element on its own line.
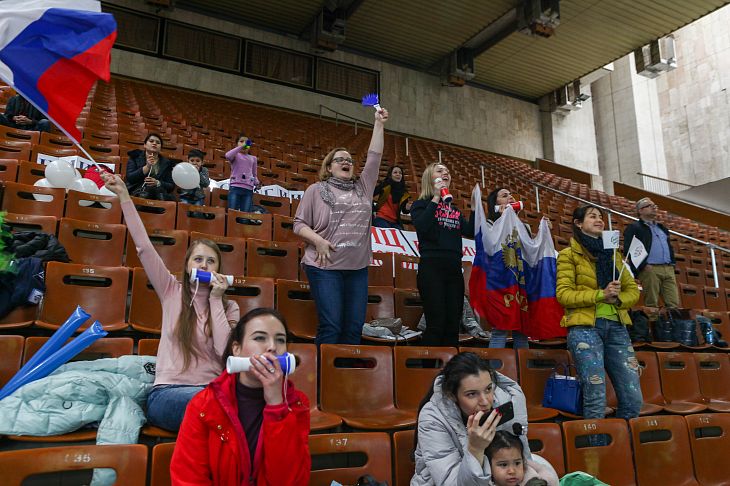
<point x="606" y="347"/>
<point x="192" y="200"/>
<point x="499" y="339"/>
<point x="240" y="199"/>
<point x="342" y="300"/>
<point x="384" y="223"/>
<point x="166" y="405"/>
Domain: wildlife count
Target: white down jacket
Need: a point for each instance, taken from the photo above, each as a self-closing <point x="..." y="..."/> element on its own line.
<point x="442" y="457"/>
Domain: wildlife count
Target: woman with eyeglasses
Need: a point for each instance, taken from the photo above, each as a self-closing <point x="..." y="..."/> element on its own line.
<point x="333" y="218"/>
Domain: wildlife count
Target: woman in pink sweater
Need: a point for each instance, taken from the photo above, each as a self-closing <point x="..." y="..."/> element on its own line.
<point x="243" y="175"/>
<point x="334" y="219"/>
<point x="196" y="318"/>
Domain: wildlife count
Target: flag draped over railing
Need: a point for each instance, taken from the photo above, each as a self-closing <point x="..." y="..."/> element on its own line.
<point x="513" y="278"/>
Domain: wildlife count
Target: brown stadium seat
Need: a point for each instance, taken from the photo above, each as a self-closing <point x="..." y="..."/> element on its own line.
<point x="171" y="245"/>
<point x="106" y="209"/>
<point x="546" y="440"/>
<point x="92" y="243"/>
<point x="305" y="379"/>
<point x="296" y="304"/>
<point x="249" y="225"/>
<point x="272" y="259"/>
<point x="29" y="199"/>
<point x="503" y="360"/>
<point x="375" y="446"/>
<point x="680" y="384"/>
<point x="203" y="219"/>
<point x="709" y="433"/>
<point x="416" y="368"/>
<point x="535" y="367"/>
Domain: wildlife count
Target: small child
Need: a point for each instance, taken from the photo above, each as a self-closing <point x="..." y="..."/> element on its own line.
<point x="243" y="175"/>
<point x="196" y="196"/>
<point x="509" y="468"/>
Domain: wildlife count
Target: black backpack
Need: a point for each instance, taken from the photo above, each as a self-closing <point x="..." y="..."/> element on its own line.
<point x="639" y="329"/>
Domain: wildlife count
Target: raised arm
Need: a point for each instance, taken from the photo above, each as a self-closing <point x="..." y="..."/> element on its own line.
<point x="369" y="174"/>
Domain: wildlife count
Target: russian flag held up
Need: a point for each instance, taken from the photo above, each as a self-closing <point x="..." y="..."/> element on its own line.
<point x="513" y="278"/>
<point x="53" y="51"/>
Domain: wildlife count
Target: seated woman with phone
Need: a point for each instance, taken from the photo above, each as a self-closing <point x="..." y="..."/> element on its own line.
<point x="458" y="418"/>
<point x="196" y="317"/>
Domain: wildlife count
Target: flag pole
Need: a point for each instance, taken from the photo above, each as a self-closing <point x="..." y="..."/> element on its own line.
<point x="70" y="137"/>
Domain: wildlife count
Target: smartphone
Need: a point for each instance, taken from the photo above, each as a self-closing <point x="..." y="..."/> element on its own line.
<point x="506" y="409"/>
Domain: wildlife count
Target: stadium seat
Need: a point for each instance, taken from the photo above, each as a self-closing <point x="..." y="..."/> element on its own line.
<point x="203" y="219"/>
<point x="106" y="209"/>
<point x="30" y="172"/>
<point x="546" y="440"/>
<point x="661" y="448"/>
<point x="29" y="199"/>
<point x="380" y="303"/>
<point x="406" y="269"/>
<point x="105" y="347"/>
<point x="680" y="384"/>
<point x="709" y="433"/>
<point x="416" y="368"/>
<point x="612" y="463"/>
<point x="11" y="353"/>
<point x="535" y="367"/>
<point x="651" y="389"/>
<point x="233" y="251"/>
<point x="344" y="370"/>
<point x="374" y="445"/>
<point x="148" y="347"/>
<point x="403" y="460"/>
<point x="295" y="302"/>
<point x="160" y="469"/>
<point x="102" y="291"/>
<point x="156" y="215"/>
<point x="23" y="316"/>
<point x="92" y="243"/>
<point x="251" y="293"/>
<point x="284" y="229"/>
<point x="408" y="307"/>
<point x="691" y="296"/>
<point x="380" y="270"/>
<point x="713" y="371"/>
<point x="272" y="259"/>
<point x="129" y="461"/>
<point x="31" y="222"/>
<point x="8" y="170"/>
<point x="145" y="310"/>
<point x="503" y="360"/>
<point x="171" y="245"/>
<point x="249" y="225"/>
<point x="305" y="379"/>
<point x="715" y="299"/>
<point x="274" y="205"/>
<point x="721" y="323"/>
<point x="19" y="135"/>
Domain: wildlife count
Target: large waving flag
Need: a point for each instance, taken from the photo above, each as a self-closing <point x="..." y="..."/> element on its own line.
<point x="53" y="51"/>
<point x="513" y="278"/>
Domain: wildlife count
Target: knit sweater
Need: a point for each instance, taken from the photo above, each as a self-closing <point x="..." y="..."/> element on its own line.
<point x="169" y="370"/>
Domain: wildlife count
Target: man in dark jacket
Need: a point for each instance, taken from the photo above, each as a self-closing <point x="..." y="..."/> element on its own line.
<point x="656" y="272"/>
<point x="19" y="113"/>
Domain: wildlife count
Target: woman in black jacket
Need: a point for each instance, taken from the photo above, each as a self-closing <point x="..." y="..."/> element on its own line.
<point x="440" y="226"/>
<point x="149" y="174"/>
<point x="391" y="199"/>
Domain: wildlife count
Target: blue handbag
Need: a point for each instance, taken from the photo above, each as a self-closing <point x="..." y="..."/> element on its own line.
<point x="563" y="392"/>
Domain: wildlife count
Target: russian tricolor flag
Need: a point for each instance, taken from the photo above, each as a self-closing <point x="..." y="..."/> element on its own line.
<point x="53" y="51"/>
<point x="513" y="279"/>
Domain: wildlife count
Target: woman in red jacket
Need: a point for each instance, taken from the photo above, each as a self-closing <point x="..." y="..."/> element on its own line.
<point x="249" y="428"/>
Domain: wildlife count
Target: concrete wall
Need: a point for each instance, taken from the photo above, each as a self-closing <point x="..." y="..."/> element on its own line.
<point x="695" y="103"/>
<point x="418" y="104"/>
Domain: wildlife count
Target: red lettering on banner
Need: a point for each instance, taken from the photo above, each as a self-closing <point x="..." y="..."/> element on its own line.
<point x="467" y="250"/>
<point x="387" y="235"/>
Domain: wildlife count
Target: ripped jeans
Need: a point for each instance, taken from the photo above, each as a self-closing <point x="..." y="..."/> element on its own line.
<point x="606" y="347"/>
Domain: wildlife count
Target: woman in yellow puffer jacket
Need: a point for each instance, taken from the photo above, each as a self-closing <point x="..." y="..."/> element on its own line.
<point x="596" y="314"/>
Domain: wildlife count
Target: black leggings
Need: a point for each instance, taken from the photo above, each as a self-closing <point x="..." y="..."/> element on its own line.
<point x="441" y="285"/>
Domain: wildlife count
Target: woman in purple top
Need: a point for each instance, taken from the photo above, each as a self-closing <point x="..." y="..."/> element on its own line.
<point x="334" y="220"/>
<point x="243" y="175"/>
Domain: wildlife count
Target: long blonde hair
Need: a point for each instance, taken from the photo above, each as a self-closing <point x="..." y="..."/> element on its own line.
<point x="324" y="174"/>
<point x="427" y="181"/>
<point x="185" y="329"/>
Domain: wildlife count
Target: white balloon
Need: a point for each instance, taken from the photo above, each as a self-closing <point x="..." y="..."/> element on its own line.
<point x="42" y="197"/>
<point x="84" y="185"/>
<point x="106" y="192"/>
<point x="60" y="173"/>
<point x="186" y="176"/>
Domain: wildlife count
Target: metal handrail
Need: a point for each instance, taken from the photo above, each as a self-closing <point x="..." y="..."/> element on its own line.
<point x="664" y="180"/>
<point x="338" y="114"/>
<point x="711" y="246"/>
